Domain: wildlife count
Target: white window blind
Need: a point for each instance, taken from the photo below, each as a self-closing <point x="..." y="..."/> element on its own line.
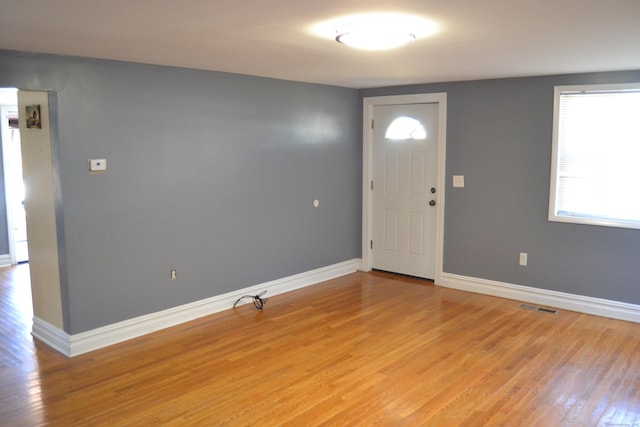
<point x="596" y="173"/>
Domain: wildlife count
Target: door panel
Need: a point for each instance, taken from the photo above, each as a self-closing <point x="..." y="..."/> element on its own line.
<point x="418" y="173"/>
<point x="416" y="233"/>
<point x="391" y="173"/>
<point x="404" y="171"/>
<point x="391" y="230"/>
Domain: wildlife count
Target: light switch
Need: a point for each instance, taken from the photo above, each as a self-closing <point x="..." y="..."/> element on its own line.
<point x="97" y="165"/>
<point x="458" y="181"/>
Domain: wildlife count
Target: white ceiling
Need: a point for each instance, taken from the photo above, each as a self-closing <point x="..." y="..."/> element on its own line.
<point x="273" y="38"/>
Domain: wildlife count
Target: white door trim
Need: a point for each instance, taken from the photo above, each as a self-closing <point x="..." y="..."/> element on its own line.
<point x="367" y="169"/>
<point x="8" y="179"/>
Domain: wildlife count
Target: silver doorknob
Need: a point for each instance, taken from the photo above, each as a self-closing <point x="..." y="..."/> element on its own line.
<point x="432" y="203"/>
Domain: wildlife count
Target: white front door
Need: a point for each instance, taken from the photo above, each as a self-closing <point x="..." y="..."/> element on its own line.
<point x="405" y="172"/>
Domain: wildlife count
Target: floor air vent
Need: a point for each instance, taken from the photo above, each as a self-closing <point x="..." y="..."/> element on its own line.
<point x="534" y="308"/>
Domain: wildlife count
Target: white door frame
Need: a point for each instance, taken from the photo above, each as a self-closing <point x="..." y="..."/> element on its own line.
<point x="8" y="180"/>
<point x="367" y="170"/>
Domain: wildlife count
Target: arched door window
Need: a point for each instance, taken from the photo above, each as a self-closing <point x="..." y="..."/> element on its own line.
<point x="405" y="128"/>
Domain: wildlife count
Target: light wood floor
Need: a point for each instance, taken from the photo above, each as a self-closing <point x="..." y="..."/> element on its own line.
<point x="365" y="349"/>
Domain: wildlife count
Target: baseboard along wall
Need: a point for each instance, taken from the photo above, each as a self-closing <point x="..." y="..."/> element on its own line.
<point x="76" y="344"/>
<point x="560" y="300"/>
<point x="5" y="260"/>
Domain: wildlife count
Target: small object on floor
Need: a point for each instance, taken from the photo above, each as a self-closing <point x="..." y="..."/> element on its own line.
<point x="258" y="302"/>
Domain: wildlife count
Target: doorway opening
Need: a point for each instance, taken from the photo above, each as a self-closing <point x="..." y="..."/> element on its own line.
<point x="13" y="182"/>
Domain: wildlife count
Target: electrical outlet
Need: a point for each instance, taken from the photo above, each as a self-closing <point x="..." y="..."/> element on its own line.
<point x="173" y="275"/>
<point x="97" y="165"/>
<point x="523" y="258"/>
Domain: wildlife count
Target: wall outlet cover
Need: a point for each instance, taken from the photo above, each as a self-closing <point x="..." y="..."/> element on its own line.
<point x="97" y="165"/>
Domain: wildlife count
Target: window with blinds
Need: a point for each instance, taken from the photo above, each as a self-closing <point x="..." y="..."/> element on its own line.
<point x="595" y="171"/>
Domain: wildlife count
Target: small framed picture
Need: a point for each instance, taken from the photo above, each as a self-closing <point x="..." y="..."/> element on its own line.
<point x="33" y="117"/>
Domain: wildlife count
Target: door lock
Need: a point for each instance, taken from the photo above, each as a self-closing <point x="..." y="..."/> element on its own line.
<point x="432" y="203"/>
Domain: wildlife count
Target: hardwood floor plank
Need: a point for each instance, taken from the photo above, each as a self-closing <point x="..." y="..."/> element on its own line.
<point x="364" y="349"/>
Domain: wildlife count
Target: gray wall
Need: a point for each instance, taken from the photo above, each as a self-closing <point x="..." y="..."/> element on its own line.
<point x="499" y="136"/>
<point x="214" y="175"/>
<point x="211" y="174"/>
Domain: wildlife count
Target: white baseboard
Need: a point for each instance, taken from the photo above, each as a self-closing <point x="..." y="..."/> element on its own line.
<point x="5" y="260"/>
<point x="52" y="336"/>
<point x="582" y="304"/>
<point x="74" y="345"/>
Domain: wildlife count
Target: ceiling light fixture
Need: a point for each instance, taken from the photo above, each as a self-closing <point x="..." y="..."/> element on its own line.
<point x="375" y="31"/>
<point x="374" y="35"/>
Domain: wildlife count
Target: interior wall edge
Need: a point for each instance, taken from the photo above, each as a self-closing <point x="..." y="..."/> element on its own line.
<point x="51" y="335"/>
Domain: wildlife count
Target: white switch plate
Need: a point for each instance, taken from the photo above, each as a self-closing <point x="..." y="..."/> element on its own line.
<point x="523" y="258"/>
<point x="97" y="165"/>
<point x="458" y="181"/>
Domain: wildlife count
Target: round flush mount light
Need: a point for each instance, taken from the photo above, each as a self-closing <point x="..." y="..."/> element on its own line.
<point x="374" y="35"/>
<point x="376" y="31"/>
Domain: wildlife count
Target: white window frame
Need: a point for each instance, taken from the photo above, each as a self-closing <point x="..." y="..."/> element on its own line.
<point x="553" y="192"/>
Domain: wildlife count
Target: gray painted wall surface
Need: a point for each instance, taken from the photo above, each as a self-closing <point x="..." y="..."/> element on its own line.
<point x="211" y="174"/>
<point x="214" y="175"/>
<point x="499" y="136"/>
